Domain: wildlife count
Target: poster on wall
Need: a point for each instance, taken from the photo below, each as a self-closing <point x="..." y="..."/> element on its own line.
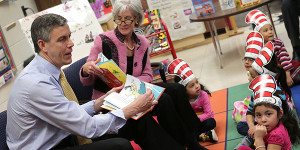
<point x="101" y="7"/>
<point x="81" y="20"/>
<point x="6" y="64"/>
<point x="176" y="13"/>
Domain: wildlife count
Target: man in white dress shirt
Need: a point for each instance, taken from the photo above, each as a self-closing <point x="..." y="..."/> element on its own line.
<point x="39" y="116"/>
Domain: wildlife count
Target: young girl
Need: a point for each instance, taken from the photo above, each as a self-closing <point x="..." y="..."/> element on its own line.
<point x="198" y="96"/>
<point x="277" y="127"/>
<point x="260" y="24"/>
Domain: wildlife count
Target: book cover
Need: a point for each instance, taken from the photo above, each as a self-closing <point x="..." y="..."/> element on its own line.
<point x="203" y="7"/>
<point x="227" y="4"/>
<point x="132" y="89"/>
<point x="113" y="76"/>
<point x="246" y="3"/>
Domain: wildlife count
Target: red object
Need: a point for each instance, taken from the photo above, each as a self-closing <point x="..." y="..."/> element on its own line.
<point x="171" y="48"/>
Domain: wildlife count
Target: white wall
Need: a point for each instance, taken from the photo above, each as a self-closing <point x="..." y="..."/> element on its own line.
<point x="10" y="13"/>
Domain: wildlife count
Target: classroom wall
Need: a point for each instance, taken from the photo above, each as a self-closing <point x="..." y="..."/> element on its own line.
<point x="10" y="13"/>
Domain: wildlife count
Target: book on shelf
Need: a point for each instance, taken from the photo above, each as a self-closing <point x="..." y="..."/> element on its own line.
<point x="203" y="7"/>
<point x="132" y="89"/>
<point x="112" y="76"/>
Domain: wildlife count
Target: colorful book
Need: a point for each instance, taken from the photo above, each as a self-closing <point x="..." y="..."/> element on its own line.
<point x="246" y="3"/>
<point x="203" y="7"/>
<point x="132" y="89"/>
<point x="113" y="76"/>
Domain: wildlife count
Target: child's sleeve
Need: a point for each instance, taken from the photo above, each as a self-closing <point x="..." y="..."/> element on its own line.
<point x="208" y="113"/>
<point x="250" y="110"/>
<point x="284" y="58"/>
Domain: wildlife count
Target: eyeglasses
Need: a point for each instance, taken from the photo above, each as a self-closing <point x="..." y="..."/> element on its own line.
<point x="248" y="59"/>
<point x="127" y="21"/>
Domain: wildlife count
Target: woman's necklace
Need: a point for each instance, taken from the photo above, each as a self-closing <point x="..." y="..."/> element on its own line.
<point x="130" y="48"/>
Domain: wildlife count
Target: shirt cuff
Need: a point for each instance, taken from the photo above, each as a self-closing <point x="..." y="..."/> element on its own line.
<point x="118" y="113"/>
<point x="89" y="107"/>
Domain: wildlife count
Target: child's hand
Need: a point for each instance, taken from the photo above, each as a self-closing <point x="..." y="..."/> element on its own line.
<point x="251" y="131"/>
<point x="260" y="132"/>
<point x="289" y="80"/>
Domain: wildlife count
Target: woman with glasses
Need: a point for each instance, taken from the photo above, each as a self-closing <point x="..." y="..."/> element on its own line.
<point x="177" y="120"/>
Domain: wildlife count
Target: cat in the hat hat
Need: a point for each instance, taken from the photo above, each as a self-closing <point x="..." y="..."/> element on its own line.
<point x="265" y="63"/>
<point x="198" y="97"/>
<point x="254" y="43"/>
<point x="261" y="24"/>
<point x="277" y="127"/>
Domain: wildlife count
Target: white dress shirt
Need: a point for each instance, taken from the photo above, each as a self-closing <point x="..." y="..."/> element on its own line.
<point x="39" y="116"/>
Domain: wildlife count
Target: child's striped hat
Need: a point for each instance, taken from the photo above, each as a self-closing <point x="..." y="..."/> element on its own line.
<point x="264" y="58"/>
<point x="263" y="88"/>
<point x="180" y="68"/>
<point x="258" y="18"/>
<point x="255" y="42"/>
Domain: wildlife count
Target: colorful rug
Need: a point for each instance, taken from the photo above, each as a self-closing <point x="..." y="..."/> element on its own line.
<point x="222" y="105"/>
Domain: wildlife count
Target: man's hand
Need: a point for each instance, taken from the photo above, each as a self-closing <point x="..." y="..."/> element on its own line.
<point x="91" y="68"/>
<point x="99" y="101"/>
<point x="142" y="103"/>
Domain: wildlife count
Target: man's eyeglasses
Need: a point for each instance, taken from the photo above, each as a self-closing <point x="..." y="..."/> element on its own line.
<point x="127" y="21"/>
<point x="248" y="59"/>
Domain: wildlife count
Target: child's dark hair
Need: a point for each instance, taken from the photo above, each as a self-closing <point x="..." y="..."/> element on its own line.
<point x="288" y="119"/>
<point x="177" y="79"/>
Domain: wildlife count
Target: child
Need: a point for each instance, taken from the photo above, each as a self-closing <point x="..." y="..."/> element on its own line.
<point x="198" y="97"/>
<point x="277" y="127"/>
<point x="264" y="64"/>
<point x="254" y="43"/>
<point x="260" y="24"/>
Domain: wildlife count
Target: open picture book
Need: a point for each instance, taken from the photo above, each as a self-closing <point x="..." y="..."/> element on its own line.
<point x="114" y="77"/>
<point x="132" y="89"/>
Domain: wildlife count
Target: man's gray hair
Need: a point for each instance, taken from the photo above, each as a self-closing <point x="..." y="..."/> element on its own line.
<point x="42" y="26"/>
<point x="134" y="5"/>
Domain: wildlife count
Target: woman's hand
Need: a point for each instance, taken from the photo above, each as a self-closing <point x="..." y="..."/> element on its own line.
<point x="99" y="101"/>
<point x="260" y="132"/>
<point x="91" y="68"/>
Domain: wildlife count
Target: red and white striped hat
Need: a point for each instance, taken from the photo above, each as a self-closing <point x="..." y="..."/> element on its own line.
<point x="258" y="18"/>
<point x="255" y="42"/>
<point x="180" y="68"/>
<point x="263" y="88"/>
<point x="263" y="59"/>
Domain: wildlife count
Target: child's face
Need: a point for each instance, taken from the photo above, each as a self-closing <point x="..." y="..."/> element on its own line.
<point x="253" y="74"/>
<point x="267" y="32"/>
<point x="248" y="62"/>
<point x="193" y="88"/>
<point x="267" y="116"/>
